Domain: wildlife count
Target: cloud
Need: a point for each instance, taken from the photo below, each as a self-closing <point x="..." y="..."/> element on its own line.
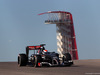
<point x="10" y="40"/>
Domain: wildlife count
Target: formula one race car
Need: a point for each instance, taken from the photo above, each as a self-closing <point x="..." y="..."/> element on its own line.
<point x="42" y="57"/>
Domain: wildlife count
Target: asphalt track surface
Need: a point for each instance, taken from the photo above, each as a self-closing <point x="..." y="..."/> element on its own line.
<point x="80" y="67"/>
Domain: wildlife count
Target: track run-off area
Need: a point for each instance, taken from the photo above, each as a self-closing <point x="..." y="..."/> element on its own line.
<point x="80" y="67"/>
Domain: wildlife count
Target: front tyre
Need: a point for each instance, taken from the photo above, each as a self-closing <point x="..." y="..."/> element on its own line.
<point x="67" y="58"/>
<point x="22" y="60"/>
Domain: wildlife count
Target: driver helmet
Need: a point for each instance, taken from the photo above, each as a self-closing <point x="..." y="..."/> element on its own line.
<point x="45" y="51"/>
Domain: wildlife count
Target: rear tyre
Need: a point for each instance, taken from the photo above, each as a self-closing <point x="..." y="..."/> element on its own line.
<point x="38" y="59"/>
<point x="22" y="60"/>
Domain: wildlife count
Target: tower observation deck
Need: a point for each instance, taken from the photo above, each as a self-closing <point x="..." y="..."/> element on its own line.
<point x="66" y="40"/>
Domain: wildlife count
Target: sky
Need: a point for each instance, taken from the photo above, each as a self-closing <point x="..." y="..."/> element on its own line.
<point x="21" y="26"/>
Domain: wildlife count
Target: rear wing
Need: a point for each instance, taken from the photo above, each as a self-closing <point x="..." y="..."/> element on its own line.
<point x="33" y="48"/>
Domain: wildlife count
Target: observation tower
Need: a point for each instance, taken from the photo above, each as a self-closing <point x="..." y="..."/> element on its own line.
<point x="66" y="40"/>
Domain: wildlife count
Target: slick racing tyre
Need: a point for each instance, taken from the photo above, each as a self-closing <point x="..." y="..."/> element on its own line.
<point x="67" y="56"/>
<point x="38" y="59"/>
<point x="22" y="60"/>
